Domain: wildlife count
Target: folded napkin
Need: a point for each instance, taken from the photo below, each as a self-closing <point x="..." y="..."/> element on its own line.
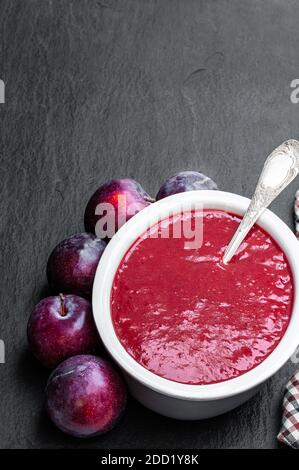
<point x="289" y="433"/>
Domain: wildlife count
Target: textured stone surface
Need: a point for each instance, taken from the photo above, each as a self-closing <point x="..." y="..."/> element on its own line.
<point x="97" y="89"/>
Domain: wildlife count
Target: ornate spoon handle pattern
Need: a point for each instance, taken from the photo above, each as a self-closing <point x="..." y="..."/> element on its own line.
<point x="280" y="168"/>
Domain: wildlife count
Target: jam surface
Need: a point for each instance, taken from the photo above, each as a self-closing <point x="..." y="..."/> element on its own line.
<point x="182" y="314"/>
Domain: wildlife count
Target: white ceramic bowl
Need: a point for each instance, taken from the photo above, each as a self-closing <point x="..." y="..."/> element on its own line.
<point x="183" y="401"/>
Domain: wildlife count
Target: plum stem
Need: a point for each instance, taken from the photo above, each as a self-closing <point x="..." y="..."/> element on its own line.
<point x="62" y="305"/>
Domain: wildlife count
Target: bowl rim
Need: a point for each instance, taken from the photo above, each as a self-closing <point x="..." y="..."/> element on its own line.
<point x="119" y="245"/>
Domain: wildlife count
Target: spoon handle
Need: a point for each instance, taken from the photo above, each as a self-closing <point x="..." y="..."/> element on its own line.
<point x="280" y="168"/>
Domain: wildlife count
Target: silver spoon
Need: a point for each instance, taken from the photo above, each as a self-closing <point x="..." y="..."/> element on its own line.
<point x="280" y="168"/>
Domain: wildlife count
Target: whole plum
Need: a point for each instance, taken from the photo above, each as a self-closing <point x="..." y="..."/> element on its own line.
<point x="73" y="262"/>
<point x="85" y="396"/>
<point x="113" y="204"/>
<point x="185" y="181"/>
<point x="60" y="327"/>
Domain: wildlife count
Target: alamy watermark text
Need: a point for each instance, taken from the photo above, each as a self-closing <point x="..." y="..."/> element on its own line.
<point x="2" y="352"/>
<point x="2" y="92"/>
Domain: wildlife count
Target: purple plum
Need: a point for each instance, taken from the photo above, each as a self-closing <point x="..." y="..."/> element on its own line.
<point x="113" y="204"/>
<point x="185" y="181"/>
<point x="73" y="262"/>
<point x="60" y="327"/>
<point x="85" y="396"/>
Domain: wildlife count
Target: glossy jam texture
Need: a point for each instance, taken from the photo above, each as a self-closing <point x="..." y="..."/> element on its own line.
<point x="184" y="316"/>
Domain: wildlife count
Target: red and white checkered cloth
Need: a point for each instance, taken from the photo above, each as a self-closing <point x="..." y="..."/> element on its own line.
<point x="289" y="433"/>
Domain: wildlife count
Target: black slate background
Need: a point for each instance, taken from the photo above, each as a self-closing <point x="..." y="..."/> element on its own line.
<point x="97" y="89"/>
